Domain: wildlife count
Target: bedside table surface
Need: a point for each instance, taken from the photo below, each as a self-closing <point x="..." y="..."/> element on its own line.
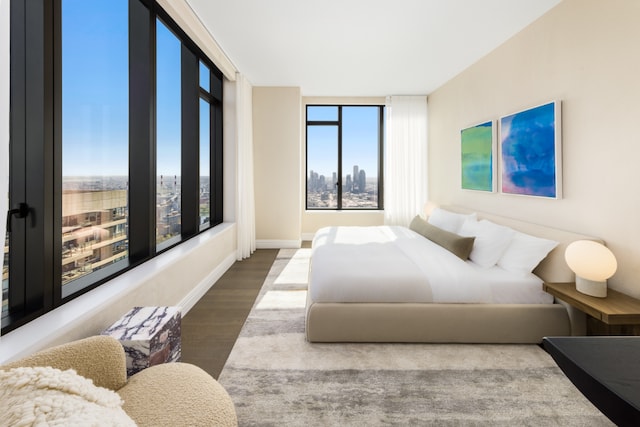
<point x="616" y="309"/>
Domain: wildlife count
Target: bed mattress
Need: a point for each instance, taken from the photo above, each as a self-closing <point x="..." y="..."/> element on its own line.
<point x="392" y="264"/>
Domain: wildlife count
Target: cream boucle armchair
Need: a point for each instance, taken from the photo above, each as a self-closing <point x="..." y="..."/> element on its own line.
<point x="171" y="394"/>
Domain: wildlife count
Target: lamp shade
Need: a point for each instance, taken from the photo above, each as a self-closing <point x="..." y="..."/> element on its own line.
<point x="590" y="260"/>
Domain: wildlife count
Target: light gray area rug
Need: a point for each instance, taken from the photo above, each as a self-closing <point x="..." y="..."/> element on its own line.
<point x="276" y="378"/>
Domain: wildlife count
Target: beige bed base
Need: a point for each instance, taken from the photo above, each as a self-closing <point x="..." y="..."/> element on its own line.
<point x="452" y="323"/>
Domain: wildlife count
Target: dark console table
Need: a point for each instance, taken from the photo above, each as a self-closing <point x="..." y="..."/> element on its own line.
<point x="605" y="369"/>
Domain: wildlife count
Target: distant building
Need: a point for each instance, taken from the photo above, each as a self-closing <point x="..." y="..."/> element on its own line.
<point x="362" y="181"/>
<point x="94" y="231"/>
<point x="322" y="193"/>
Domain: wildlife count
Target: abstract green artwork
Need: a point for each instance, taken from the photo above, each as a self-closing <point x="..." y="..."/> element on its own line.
<point x="477" y="147"/>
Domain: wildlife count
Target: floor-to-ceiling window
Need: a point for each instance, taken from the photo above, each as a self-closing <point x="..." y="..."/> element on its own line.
<point x="344" y="160"/>
<point x="114" y="157"/>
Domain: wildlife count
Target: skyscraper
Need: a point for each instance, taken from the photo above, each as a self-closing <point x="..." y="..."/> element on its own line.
<point x="355" y="178"/>
<point x="362" y="181"/>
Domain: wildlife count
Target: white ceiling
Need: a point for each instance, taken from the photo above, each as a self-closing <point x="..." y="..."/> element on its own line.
<point x="362" y="47"/>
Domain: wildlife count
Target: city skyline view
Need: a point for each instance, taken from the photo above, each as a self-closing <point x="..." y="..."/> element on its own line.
<point x="359" y="192"/>
<point x="346" y="136"/>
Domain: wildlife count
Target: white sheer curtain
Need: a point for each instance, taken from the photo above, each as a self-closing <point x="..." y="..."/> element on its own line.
<point x="405" y="175"/>
<point x="245" y="199"/>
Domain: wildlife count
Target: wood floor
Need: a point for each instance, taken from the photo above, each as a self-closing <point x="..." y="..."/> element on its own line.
<point x="211" y="327"/>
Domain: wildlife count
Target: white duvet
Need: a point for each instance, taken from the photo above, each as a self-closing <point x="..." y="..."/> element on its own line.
<point x="395" y="264"/>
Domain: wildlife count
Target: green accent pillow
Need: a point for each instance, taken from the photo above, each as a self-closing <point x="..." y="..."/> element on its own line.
<point x="457" y="245"/>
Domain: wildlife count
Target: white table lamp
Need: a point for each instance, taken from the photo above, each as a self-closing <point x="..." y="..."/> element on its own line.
<point x="593" y="264"/>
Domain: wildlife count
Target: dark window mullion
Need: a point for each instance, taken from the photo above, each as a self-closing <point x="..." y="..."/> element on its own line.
<point x="306" y="163"/>
<point x="205" y="95"/>
<point x="323" y="123"/>
<point x="56" y="84"/>
<point x="38" y="146"/>
<point x="30" y="289"/>
<point x="142" y="167"/>
<point x="216" y="82"/>
<point x="340" y="177"/>
<point x="216" y="184"/>
<point x="17" y="184"/>
<point x="380" y="158"/>
<point x="190" y="181"/>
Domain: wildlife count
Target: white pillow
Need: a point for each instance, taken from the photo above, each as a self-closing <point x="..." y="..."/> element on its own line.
<point x="449" y="221"/>
<point x="525" y="252"/>
<point x="490" y="243"/>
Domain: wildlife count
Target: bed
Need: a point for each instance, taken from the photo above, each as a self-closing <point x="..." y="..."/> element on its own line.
<point x="392" y="284"/>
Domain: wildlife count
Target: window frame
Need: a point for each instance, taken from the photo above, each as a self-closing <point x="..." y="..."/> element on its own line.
<point x="339" y="124"/>
<point x="213" y="97"/>
<point x="35" y="283"/>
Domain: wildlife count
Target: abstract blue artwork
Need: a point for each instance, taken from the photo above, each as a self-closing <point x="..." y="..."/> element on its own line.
<point x="530" y="152"/>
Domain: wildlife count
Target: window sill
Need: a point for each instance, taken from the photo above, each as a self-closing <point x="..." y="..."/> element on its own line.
<point x="344" y="211"/>
<point x="48" y="329"/>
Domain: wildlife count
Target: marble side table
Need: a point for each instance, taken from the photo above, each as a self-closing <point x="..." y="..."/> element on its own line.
<point x="149" y="335"/>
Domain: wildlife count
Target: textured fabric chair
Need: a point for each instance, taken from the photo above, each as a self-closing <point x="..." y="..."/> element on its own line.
<point x="170" y="394"/>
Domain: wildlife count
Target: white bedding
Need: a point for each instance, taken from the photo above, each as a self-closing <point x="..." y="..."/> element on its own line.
<point x="395" y="264"/>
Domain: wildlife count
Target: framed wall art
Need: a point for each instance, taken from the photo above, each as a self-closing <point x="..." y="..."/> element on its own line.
<point x="478" y="147"/>
<point x="531" y="152"/>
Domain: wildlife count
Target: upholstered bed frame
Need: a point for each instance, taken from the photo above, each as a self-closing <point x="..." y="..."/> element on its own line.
<point x="452" y="323"/>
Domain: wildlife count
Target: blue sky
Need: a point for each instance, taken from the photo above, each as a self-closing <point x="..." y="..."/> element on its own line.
<point x="359" y="141"/>
<point x="168" y="101"/>
<point x="95" y="96"/>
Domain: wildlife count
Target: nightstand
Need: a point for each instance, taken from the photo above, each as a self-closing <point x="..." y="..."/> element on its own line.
<point x="616" y="314"/>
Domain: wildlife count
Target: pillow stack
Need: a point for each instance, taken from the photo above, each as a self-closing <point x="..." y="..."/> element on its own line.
<point x="449" y="221"/>
<point x="491" y="241"/>
<point x="483" y="242"/>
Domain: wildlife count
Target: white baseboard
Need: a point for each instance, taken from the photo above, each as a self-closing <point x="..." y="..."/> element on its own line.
<point x="207" y="283"/>
<point x="278" y="244"/>
<point x="307" y="237"/>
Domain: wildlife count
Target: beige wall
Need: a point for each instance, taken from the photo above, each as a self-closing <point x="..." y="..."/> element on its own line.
<point x="276" y="144"/>
<point x="584" y="53"/>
